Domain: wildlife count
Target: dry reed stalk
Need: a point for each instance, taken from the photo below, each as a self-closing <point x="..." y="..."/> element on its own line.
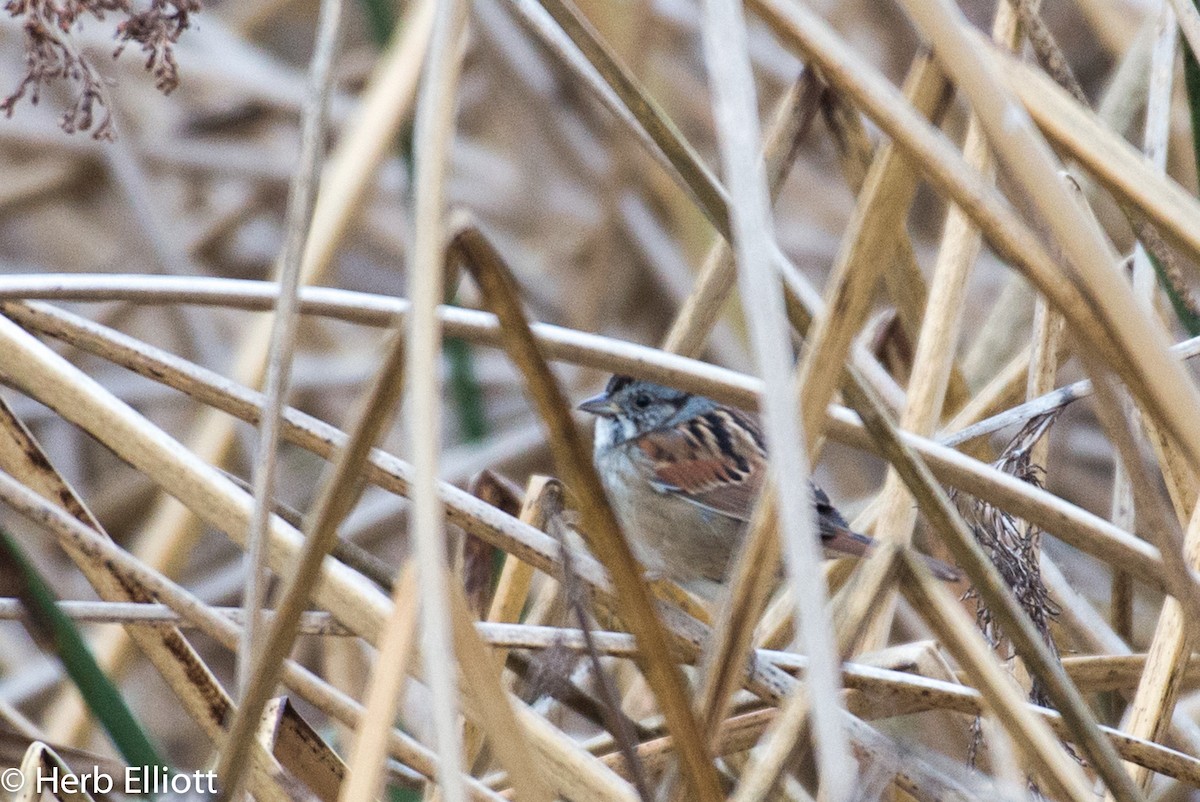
<point x="697" y="179"/>
<point x="882" y="689"/>
<point x="1051" y="57"/>
<point x="498" y="720"/>
<point x="1079" y="618"/>
<point x="1066" y="521"/>
<point x="994" y="593"/>
<point x="1153" y="704"/>
<point x="1111" y="160"/>
<point x="901" y="692"/>
<point x="576" y="774"/>
<point x="852" y="613"/>
<point x="804" y="304"/>
<point x="1189" y="23"/>
<point x="1180" y="481"/>
<point x="1116" y="669"/>
<point x="776" y="629"/>
<point x="868" y="244"/>
<point x="386" y="103"/>
<point x="904" y="280"/>
<point x="1025" y="555"/>
<point x="1157" y="521"/>
<point x="750" y="581"/>
<point x="465" y="510"/>
<point x="636" y="216"/>
<point x="582" y="348"/>
<point x="339" y="491"/>
<point x="1046" y="49"/>
<point x="715" y="280"/>
<point x="265" y="774"/>
<point x="1049" y="402"/>
<point x="987" y="91"/>
<point x="563" y="344"/>
<point x="735" y="113"/>
<point x="867" y="591"/>
<point x="365" y="774"/>
<point x="575" y="43"/>
<point x="1162" y="59"/>
<point x="1030" y="503"/>
<point x="227" y="508"/>
<point x="282" y="345"/>
<point x="40" y="759"/>
<point x="1047" y="341"/>
<point x="202" y="697"/>
<point x="942" y="165"/>
<point x="290" y="739"/>
<point x="434" y="128"/>
<point x="642" y="116"/>
<point x="878" y="218"/>
<point x="154" y="615"/>
<point x="775" y="747"/>
<point x="135" y="572"/>
<point x="878" y="691"/>
<point x="169" y="529"/>
<point x="938" y="339"/>
<point x="996" y="397"/>
<point x="573" y="462"/>
<point x="211" y="494"/>
<point x="958" y="634"/>
<point x="543" y="501"/>
<point x="1170" y="650"/>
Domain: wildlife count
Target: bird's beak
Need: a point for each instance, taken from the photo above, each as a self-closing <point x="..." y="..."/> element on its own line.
<point x="600" y="405"/>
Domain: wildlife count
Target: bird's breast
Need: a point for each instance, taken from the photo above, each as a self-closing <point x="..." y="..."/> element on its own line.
<point x="671" y="536"/>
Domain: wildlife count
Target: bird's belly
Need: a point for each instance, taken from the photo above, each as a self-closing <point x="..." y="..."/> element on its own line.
<point x="673" y="537"/>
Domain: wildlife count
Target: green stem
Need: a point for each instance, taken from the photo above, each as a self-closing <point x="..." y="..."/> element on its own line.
<point x="381" y="20"/>
<point x="1191" y="76"/>
<point x="1187" y="317"/>
<point x="468" y="395"/>
<point x="56" y="633"/>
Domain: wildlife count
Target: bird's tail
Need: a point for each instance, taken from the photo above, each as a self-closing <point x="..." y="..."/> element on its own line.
<point x="941" y="570"/>
<point x="840" y="540"/>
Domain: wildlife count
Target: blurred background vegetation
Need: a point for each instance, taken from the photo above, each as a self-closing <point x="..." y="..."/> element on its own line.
<point x="600" y="238"/>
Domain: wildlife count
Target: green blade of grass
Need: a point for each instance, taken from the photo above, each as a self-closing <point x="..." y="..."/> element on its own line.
<point x="381" y="20"/>
<point x="465" y="389"/>
<point x="403" y="795"/>
<point x="1187" y="316"/>
<point x="55" y="632"/>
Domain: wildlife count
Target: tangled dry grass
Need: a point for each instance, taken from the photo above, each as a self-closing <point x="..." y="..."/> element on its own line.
<point x="892" y="233"/>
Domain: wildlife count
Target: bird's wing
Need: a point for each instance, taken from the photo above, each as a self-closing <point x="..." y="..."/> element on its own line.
<point x="714" y="460"/>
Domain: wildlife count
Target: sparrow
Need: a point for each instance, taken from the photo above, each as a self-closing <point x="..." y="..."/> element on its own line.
<point x="682" y="473"/>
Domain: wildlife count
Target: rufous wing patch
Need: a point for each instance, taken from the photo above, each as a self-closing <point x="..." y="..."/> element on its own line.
<point x="709" y="461"/>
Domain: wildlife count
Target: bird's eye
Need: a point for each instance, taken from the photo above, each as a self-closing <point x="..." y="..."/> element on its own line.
<point x="642" y="400"/>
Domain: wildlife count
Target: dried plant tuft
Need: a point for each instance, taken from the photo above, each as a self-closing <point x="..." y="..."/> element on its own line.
<point x="51" y="55"/>
<point x="1015" y="545"/>
<point x="1015" y="548"/>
